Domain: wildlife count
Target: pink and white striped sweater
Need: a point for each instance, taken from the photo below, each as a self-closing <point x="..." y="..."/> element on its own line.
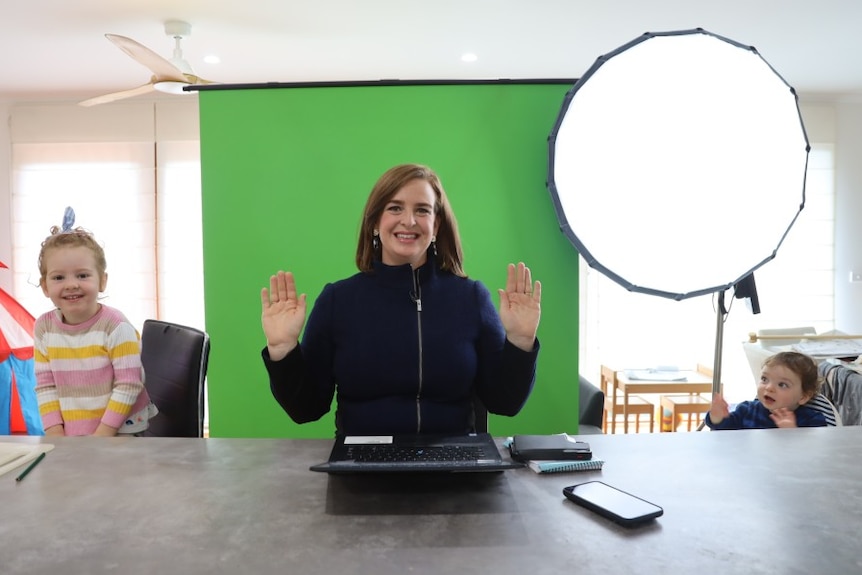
<point x="88" y="373"/>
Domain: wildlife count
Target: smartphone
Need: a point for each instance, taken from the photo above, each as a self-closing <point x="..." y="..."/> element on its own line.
<point x="615" y="504"/>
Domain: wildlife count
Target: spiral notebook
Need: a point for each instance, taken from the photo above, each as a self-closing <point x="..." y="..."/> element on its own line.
<point x="563" y="466"/>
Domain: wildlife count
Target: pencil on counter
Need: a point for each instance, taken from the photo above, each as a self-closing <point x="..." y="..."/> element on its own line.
<point x="31" y="466"/>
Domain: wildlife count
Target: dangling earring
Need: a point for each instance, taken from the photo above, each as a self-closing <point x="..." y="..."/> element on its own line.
<point x="375" y="242"/>
<point x="434" y="245"/>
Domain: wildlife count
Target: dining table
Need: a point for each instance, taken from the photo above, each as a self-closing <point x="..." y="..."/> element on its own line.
<point x="626" y="383"/>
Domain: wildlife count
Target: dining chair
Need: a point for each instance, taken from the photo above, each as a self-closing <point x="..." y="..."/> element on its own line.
<point x="637" y="405"/>
<point x="175" y="359"/>
<point x="692" y="405"/>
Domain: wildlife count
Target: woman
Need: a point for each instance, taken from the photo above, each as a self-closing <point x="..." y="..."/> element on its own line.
<point x="407" y="342"/>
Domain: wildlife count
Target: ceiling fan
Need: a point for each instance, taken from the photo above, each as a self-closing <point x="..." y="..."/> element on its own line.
<point x="169" y="76"/>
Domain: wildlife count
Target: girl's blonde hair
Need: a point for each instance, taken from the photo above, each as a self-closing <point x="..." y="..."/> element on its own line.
<point x="76" y="238"/>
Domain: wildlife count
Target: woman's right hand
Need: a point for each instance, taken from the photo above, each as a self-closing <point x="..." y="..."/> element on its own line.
<point x="283" y="314"/>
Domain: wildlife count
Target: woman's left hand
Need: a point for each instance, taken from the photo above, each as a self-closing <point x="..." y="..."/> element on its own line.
<point x="520" y="306"/>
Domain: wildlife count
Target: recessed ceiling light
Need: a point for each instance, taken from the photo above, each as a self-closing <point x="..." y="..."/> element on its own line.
<point x="212" y="59"/>
<point x="469" y="57"/>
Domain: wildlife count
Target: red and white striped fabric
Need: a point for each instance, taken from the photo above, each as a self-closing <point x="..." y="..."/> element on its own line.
<point x="16" y="328"/>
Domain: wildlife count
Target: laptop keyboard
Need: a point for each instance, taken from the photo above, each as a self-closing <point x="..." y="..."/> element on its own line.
<point x="470" y="453"/>
<point x="404" y="454"/>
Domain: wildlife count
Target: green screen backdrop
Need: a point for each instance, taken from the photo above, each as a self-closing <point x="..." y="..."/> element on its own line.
<point x="286" y="171"/>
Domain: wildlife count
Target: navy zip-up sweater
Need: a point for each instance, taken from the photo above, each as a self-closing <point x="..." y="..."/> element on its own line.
<point x="403" y="351"/>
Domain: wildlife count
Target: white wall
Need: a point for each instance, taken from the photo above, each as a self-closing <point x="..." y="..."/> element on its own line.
<point x="5" y="199"/>
<point x="848" y="216"/>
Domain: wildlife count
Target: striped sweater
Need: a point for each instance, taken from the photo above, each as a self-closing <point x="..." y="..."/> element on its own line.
<point x="89" y="373"/>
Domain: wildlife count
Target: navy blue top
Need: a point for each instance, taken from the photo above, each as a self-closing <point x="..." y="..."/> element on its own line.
<point x="404" y="351"/>
<point x="753" y="415"/>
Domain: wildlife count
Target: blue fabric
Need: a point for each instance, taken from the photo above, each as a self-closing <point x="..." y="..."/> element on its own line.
<point x="394" y="369"/>
<point x="753" y="415"/>
<point x="5" y="398"/>
<point x="25" y="382"/>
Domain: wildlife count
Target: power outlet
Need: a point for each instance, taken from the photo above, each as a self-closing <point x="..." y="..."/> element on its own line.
<point x="855" y="277"/>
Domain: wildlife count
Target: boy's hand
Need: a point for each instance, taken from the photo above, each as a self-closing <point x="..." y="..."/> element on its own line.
<point x="719" y="409"/>
<point x="783" y="417"/>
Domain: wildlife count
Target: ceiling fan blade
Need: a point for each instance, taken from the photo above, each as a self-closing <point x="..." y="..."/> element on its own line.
<point x="192" y="79"/>
<point x="162" y="68"/>
<point x="104" y="99"/>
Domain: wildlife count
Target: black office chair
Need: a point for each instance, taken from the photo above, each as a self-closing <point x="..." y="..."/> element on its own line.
<point x="479" y="420"/>
<point x="592" y="405"/>
<point x="175" y="359"/>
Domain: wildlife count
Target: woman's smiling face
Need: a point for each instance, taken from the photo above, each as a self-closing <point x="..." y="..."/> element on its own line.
<point x="408" y="224"/>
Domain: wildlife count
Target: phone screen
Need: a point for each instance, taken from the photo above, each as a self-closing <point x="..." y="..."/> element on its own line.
<point x="613" y="503"/>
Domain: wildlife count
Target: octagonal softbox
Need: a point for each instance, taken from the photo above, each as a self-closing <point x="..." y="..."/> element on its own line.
<point x="677" y="163"/>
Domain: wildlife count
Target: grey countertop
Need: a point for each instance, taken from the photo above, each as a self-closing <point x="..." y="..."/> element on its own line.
<point x="755" y="501"/>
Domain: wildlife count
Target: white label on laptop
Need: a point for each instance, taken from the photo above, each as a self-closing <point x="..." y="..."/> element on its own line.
<point x="367" y="439"/>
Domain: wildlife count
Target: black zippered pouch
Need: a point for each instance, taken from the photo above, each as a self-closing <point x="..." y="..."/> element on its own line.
<point x="549" y="447"/>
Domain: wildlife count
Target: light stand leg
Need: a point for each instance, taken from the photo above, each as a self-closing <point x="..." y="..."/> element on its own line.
<point x="719" y="341"/>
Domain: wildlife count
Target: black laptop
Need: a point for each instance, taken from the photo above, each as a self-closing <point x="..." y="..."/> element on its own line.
<point x="474" y="452"/>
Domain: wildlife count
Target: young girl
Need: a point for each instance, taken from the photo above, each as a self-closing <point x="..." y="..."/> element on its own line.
<point x="788" y="380"/>
<point x="89" y="377"/>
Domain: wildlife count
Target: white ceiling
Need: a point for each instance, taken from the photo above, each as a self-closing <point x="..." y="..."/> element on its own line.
<point x="56" y="49"/>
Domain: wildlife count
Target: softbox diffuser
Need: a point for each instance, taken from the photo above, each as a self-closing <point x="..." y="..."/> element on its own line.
<point x="677" y="163"/>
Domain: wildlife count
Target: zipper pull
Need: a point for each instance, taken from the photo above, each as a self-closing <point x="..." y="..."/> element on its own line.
<point x="417" y="300"/>
<point x="416" y="295"/>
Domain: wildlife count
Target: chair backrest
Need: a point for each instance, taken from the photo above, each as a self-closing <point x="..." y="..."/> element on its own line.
<point x="175" y="359"/>
<point x="756" y="356"/>
<point x="592" y="404"/>
<point x="825" y="406"/>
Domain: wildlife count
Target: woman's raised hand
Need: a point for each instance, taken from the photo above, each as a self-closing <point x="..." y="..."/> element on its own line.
<point x="283" y="314"/>
<point x="520" y="306"/>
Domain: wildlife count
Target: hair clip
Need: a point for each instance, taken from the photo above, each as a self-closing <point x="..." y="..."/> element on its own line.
<point x="68" y="220"/>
